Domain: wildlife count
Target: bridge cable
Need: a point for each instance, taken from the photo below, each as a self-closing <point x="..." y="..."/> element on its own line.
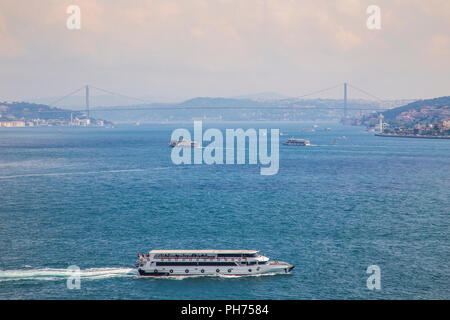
<point x="367" y="93"/>
<point x="67" y="95"/>
<point x="120" y="94"/>
<point x="314" y="92"/>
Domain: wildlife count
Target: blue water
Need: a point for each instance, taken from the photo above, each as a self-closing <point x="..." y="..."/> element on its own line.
<point x="94" y="197"/>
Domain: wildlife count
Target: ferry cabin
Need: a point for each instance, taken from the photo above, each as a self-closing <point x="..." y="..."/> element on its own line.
<point x="205" y="257"/>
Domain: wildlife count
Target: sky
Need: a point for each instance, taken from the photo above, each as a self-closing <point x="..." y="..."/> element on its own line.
<point x="189" y="48"/>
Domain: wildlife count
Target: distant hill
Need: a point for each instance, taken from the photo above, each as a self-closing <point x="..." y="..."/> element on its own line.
<point x="421" y="110"/>
<point x="427" y="111"/>
<point x="28" y="111"/>
<point x="263" y="96"/>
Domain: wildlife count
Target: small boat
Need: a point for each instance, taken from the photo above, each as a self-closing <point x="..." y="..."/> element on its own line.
<point x="208" y="263"/>
<point x="183" y="143"/>
<point x="296" y="142"/>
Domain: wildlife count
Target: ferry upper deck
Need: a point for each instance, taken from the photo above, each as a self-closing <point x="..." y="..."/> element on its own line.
<point x="211" y="252"/>
<point x="206" y="254"/>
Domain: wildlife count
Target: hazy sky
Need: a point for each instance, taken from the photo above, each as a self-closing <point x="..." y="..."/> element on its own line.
<point x="187" y="48"/>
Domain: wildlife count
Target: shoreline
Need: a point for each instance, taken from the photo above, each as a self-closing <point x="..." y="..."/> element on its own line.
<point x="411" y="136"/>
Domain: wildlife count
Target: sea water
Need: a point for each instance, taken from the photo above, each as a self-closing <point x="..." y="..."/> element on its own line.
<point x="94" y="197"/>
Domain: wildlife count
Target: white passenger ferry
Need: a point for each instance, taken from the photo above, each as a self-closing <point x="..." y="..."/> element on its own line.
<point x="296" y="142"/>
<point x="208" y="262"/>
<point x="183" y="143"/>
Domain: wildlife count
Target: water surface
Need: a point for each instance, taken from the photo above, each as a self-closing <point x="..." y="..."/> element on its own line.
<point x="94" y="197"/>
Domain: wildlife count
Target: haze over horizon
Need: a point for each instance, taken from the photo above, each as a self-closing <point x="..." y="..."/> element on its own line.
<point x="189" y="48"/>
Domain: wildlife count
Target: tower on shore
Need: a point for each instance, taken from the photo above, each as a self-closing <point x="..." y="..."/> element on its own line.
<point x="381" y="122"/>
<point x="87" y="101"/>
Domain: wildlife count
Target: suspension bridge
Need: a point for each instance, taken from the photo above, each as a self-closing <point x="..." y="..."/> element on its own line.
<point x="285" y="104"/>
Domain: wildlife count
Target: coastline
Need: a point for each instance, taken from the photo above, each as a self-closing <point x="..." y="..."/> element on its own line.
<point x="411" y="136"/>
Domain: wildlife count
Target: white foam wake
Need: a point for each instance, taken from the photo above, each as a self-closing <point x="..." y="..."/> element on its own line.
<point x="59" y="274"/>
<point x="56" y="174"/>
<point x="52" y="274"/>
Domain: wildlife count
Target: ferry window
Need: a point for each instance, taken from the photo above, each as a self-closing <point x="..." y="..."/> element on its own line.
<point x="262" y="262"/>
<point x="201" y="263"/>
<point x="176" y="263"/>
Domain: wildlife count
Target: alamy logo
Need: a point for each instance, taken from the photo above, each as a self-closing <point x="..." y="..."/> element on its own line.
<point x="374" y="280"/>
<point x="73" y="281"/>
<point x="374" y="20"/>
<point x="74" y="20"/>
<point x="213" y="153"/>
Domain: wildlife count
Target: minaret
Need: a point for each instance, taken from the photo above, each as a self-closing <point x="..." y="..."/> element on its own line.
<point x="381" y="122"/>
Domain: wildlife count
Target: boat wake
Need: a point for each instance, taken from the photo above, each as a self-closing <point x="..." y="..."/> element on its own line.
<point x="53" y="274"/>
<point x="49" y="274"/>
<point x="57" y="174"/>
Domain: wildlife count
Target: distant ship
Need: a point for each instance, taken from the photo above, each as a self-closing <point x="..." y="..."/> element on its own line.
<point x="296" y="142"/>
<point x="208" y="263"/>
<point x="184" y="143"/>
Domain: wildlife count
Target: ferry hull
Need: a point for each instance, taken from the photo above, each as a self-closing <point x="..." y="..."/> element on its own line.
<point x="279" y="268"/>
